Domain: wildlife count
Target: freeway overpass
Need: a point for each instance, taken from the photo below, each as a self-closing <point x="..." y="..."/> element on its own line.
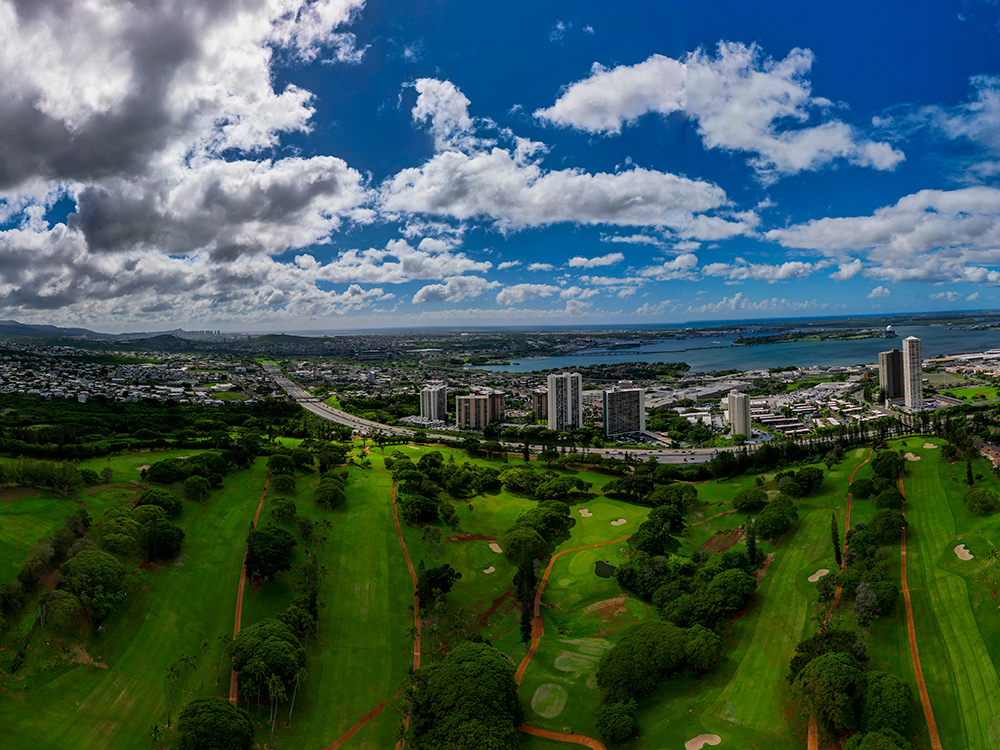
<point x="317" y="407"/>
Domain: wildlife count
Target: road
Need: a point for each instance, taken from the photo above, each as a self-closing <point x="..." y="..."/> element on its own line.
<point x="317" y="407"/>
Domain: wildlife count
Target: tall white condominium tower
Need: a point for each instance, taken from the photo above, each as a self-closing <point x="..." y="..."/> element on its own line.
<point x="739" y="413"/>
<point x="624" y="411"/>
<point x="565" y="401"/>
<point x="913" y="373"/>
<point x="434" y="402"/>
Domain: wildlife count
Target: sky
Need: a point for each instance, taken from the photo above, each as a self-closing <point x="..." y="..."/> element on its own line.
<point x="324" y="165"/>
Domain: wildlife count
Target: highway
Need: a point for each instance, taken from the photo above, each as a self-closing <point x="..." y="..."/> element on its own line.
<point x="317" y="407"/>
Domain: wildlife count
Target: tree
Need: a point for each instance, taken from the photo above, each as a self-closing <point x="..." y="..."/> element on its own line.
<point x="829" y="688"/>
<point x="835" y="535"/>
<point x="751" y="541"/>
<point x="284" y="483"/>
<point x="703" y="648"/>
<point x="521" y="545"/>
<point x="163" y="499"/>
<point x="883" y="739"/>
<point x="866" y="606"/>
<point x="299" y="676"/>
<point x="214" y="724"/>
<point x="281" y="463"/>
<point x="330" y="491"/>
<point x="269" y="551"/>
<point x="160" y="539"/>
<point x="63" y="611"/>
<point x="466" y="701"/>
<point x="97" y="578"/>
<point x="642" y="656"/>
<point x="888" y="701"/>
<point x="616" y="721"/>
<point x="750" y="499"/>
<point x="272" y="645"/>
<point x="196" y="487"/>
<point x="173" y="672"/>
<point x="862" y="489"/>
<point x="155" y="734"/>
<point x="969" y="479"/>
<point x="981" y="501"/>
<point x="436" y="582"/>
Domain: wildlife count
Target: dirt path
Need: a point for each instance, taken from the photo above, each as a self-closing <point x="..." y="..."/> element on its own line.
<point x="416" y="601"/>
<point x="537" y="627"/>
<point x="579" y="739"/>
<point x="361" y="723"/>
<point x="537" y="631"/>
<point x="812" y="742"/>
<point x="706" y="520"/>
<point x="925" y="699"/>
<point x="847" y="527"/>
<point x="234" y="686"/>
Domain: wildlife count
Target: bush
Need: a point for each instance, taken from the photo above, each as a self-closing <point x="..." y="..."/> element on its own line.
<point x="981" y="501"/>
<point x="750" y="499"/>
<point x="165" y="499"/>
<point x="616" y="721"/>
<point x="887" y="705"/>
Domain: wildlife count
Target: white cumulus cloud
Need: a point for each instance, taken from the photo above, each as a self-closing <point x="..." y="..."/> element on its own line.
<point x="740" y="100"/>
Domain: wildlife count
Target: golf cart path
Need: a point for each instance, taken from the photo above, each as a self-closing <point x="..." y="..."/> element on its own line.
<point x="234" y="686"/>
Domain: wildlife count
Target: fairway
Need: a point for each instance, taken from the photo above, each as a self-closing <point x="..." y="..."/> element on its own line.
<point x="961" y="673"/>
<point x="179" y="607"/>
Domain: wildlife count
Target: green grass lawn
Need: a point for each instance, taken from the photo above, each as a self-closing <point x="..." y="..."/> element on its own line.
<point x="959" y="665"/>
<point x="984" y="393"/>
<point x="174" y="609"/>
<point x="744" y="698"/>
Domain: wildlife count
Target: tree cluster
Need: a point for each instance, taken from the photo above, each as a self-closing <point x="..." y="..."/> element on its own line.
<point x="44" y="557"/>
<point x="645" y="654"/>
<point x="830" y="682"/>
<point x="466" y="701"/>
<point x="691" y="593"/>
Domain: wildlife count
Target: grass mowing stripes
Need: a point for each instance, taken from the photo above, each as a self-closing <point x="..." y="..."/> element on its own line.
<point x="961" y="678"/>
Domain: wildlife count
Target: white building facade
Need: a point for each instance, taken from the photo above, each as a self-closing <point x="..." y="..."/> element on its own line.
<point x="565" y="401"/>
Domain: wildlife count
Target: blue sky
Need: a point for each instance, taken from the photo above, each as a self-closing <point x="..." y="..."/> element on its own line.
<point x="328" y="164"/>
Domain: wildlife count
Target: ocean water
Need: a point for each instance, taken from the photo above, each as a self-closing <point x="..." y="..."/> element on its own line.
<point x="719" y="353"/>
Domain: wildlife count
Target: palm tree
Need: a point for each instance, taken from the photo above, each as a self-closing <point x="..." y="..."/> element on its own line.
<point x="156" y="734"/>
<point x="223" y="641"/>
<point x="172" y="674"/>
<point x="257" y="670"/>
<point x="297" y="678"/>
<point x="276" y="690"/>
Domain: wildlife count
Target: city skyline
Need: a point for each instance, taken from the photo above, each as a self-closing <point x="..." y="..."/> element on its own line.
<point x="341" y="164"/>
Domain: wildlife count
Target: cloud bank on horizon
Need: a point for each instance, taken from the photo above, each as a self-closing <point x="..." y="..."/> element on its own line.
<point x="323" y="164"/>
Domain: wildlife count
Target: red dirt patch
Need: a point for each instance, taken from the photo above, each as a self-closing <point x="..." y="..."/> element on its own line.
<point x="18" y="493"/>
<point x="608" y="609"/>
<point x="722" y="540"/>
<point x="48" y="579"/>
<point x="759" y="573"/>
<point x="483" y="620"/>
<point x="470" y="538"/>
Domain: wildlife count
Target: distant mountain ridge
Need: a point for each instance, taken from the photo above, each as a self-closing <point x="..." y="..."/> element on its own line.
<point x="16" y="329"/>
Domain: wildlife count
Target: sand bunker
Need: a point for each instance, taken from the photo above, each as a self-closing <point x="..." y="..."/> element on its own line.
<point x="963" y="552"/>
<point x="495" y="547"/>
<point x="142" y="468"/>
<point x="490" y="569"/>
<point x="619" y="522"/>
<point x="585" y="513"/>
<point x="696" y="743"/>
<point x="929" y="445"/>
<point x="911" y="457"/>
<point x="818" y="574"/>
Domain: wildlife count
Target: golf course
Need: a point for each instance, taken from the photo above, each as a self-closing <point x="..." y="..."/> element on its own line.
<point x="112" y="688"/>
